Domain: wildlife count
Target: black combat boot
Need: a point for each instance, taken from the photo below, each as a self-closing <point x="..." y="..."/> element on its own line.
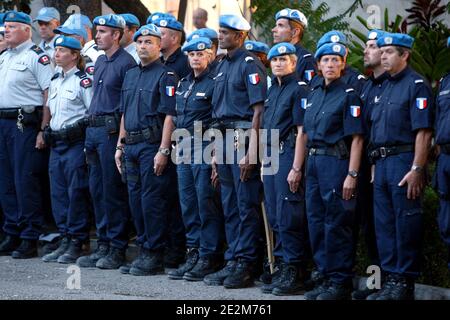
<point x="54" y="255"/>
<point x="274" y="278"/>
<point x="26" y="250"/>
<point x="337" y="291"/>
<point x="114" y="259"/>
<point x="267" y="277"/>
<point x="292" y="281"/>
<point x="385" y="291"/>
<point x="217" y="278"/>
<point x="403" y="289"/>
<point x="148" y="263"/>
<point x="318" y="290"/>
<point x="362" y="294"/>
<point x="9" y="244"/>
<point x="192" y="257"/>
<point x="73" y="252"/>
<point x="174" y="257"/>
<point x="203" y="267"/>
<point x="242" y="276"/>
<point x="91" y="260"/>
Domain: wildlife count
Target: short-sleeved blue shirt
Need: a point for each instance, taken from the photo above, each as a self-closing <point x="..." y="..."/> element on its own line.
<point x="351" y="77"/>
<point x="108" y="79"/>
<point x="443" y="112"/>
<point x="148" y="94"/>
<point x="179" y="63"/>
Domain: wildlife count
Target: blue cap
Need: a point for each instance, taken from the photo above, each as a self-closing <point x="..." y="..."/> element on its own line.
<point x="231" y="21"/>
<point x="70" y="29"/>
<point x="281" y="49"/>
<point x="292" y="14"/>
<point x="47" y="14"/>
<point x="335" y="49"/>
<point x="130" y="19"/>
<point x="203" y="32"/>
<point x="448" y="42"/>
<point x="15" y="16"/>
<point x="169" y="23"/>
<point x="396" y="39"/>
<point x="375" y="34"/>
<point x="159" y="15"/>
<point x="197" y="44"/>
<point x="68" y="42"/>
<point x="79" y="20"/>
<point x="256" y="46"/>
<point x="110" y="20"/>
<point x="147" y="30"/>
<point x="2" y="25"/>
<point x="332" y="36"/>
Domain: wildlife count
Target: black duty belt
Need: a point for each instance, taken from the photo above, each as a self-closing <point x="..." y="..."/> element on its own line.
<point x="445" y="148"/>
<point x="223" y="125"/>
<point x="150" y="135"/>
<point x="325" y="151"/>
<point x="102" y="121"/>
<point x="383" y="152"/>
<point x="14" y="113"/>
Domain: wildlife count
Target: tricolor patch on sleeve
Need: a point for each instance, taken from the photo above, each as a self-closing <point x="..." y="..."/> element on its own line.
<point x="304" y="103"/>
<point x="309" y="74"/>
<point x="253" y="78"/>
<point x="86" y="83"/>
<point x="170" y="91"/>
<point x="90" y="70"/>
<point x="421" y="103"/>
<point x="44" y="60"/>
<point x="355" y="111"/>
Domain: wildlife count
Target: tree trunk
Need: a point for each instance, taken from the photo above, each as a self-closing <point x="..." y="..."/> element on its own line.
<point x="182" y="11"/>
<point x="130" y="6"/>
<point x="91" y="8"/>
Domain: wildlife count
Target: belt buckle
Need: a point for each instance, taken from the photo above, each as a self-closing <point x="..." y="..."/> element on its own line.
<point x="383" y="152"/>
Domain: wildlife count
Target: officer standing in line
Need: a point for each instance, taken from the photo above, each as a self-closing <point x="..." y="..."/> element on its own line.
<point x="48" y="20"/>
<point x="400" y="137"/>
<point x="334" y="128"/>
<point x="443" y="162"/>
<point x="284" y="192"/>
<point x="290" y="27"/>
<point x="69" y="98"/>
<point x="202" y="219"/>
<point x="107" y="190"/>
<point x="370" y="94"/>
<point x="239" y="93"/>
<point x="148" y="105"/>
<point x="26" y="73"/>
<point x="132" y="25"/>
<point x="260" y="50"/>
<point x="211" y="35"/>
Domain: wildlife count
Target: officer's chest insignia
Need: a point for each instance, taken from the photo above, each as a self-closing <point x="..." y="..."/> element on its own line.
<point x="44" y="60"/>
<point x="377" y="99"/>
<point x="421" y="103"/>
<point x="309" y="74"/>
<point x="170" y="91"/>
<point x="254" y="78"/>
<point x="355" y="111"/>
<point x="304" y="103"/>
<point x="90" y="70"/>
<point x="200" y="94"/>
<point x="86" y="83"/>
<point x="443" y="93"/>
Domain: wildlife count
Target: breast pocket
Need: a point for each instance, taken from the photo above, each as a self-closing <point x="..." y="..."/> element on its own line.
<point x="71" y="101"/>
<point x="202" y="103"/>
<point x="148" y="106"/>
<point x="219" y="87"/>
<point x="398" y="117"/>
<point x="329" y="122"/>
<point x="18" y="72"/>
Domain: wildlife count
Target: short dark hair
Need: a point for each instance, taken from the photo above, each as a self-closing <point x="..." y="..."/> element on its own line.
<point x="297" y="25"/>
<point x="402" y="50"/>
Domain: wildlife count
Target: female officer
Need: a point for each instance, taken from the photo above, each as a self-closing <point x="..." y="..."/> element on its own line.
<point x="202" y="219"/>
<point x="70" y="94"/>
<point x="284" y="194"/>
<point x="334" y="130"/>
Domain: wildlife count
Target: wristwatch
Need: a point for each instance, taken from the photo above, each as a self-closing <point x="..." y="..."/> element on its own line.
<point x="353" y="173"/>
<point x="164" y="151"/>
<point x="416" y="168"/>
<point x="296" y="169"/>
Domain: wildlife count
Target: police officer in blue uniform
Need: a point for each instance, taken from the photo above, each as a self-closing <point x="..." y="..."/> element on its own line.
<point x="132" y="25"/>
<point x="148" y="105"/>
<point x="284" y="192"/>
<point x="290" y="27"/>
<point x="202" y="219"/>
<point x="70" y="95"/>
<point x="334" y="128"/>
<point x="213" y="36"/>
<point x="26" y="73"/>
<point x="239" y="93"/>
<point x="107" y="190"/>
<point x="400" y="137"/>
<point x="260" y="50"/>
<point x="443" y="163"/>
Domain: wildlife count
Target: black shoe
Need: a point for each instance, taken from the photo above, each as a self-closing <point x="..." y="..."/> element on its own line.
<point x="9" y="244"/>
<point x="73" y="252"/>
<point x="267" y="277"/>
<point x="291" y="281"/>
<point x="318" y="290"/>
<point x="54" y="255"/>
<point x="125" y="269"/>
<point x="26" y="250"/>
<point x="114" y="259"/>
<point x="203" y="267"/>
<point x="91" y="260"/>
<point x="337" y="291"/>
<point x="217" y="278"/>
<point x="192" y="257"/>
<point x="403" y="289"/>
<point x="274" y="278"/>
<point x="385" y="291"/>
<point x="147" y="263"/>
<point x="242" y="276"/>
<point x="174" y="257"/>
<point x="363" y="293"/>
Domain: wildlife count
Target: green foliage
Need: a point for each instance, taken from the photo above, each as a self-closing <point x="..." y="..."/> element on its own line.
<point x="21" y="5"/>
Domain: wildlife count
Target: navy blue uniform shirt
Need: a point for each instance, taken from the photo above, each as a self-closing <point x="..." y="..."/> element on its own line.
<point x="333" y="113"/>
<point x="148" y="94"/>
<point x="405" y="106"/>
<point x="285" y="106"/>
<point x="108" y="79"/>
<point x="306" y="66"/>
<point x="178" y="62"/>
<point x="240" y="83"/>
<point x="443" y="112"/>
<point x="351" y="77"/>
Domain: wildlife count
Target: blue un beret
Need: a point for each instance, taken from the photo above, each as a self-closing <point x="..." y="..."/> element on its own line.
<point x="147" y="30"/>
<point x="203" y="32"/>
<point x="79" y="20"/>
<point x="14" y="16"/>
<point x="2" y="25"/>
<point x="68" y="42"/>
<point x="47" y="14"/>
<point x="70" y="29"/>
<point x="448" y="42"/>
<point x="130" y="19"/>
<point x="110" y="20"/>
<point x="336" y="49"/>
<point x="332" y="36"/>
<point x="281" y="49"/>
<point x="159" y="15"/>
<point x="396" y="39"/>
<point x="197" y="44"/>
<point x="292" y="14"/>
<point x="169" y="23"/>
<point x="231" y="21"/>
<point x="375" y="34"/>
<point x="256" y="46"/>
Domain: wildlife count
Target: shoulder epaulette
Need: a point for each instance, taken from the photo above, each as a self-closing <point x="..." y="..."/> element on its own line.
<point x="301" y="83"/>
<point x="56" y="76"/>
<point x="248" y="59"/>
<point x="87" y="59"/>
<point x="418" y="81"/>
<point x="36" y="49"/>
<point x="349" y="90"/>
<point x="81" y="74"/>
<point x="171" y="73"/>
<point x="307" y="55"/>
<point x="362" y="77"/>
